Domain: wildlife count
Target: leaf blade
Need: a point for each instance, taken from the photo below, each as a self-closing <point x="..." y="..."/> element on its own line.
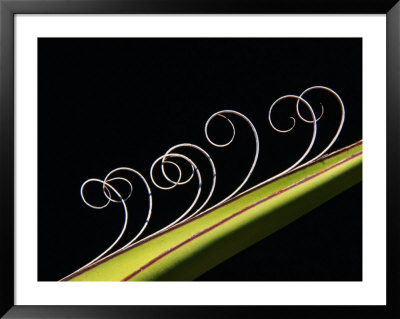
<point x="189" y="250"/>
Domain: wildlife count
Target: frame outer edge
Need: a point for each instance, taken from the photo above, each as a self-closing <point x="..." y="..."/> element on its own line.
<point x="7" y="10"/>
<point x="6" y="157"/>
<point x="200" y="6"/>
<point x="393" y="157"/>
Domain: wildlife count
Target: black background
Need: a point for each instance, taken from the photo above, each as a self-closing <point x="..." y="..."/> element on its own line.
<point x="106" y="103"/>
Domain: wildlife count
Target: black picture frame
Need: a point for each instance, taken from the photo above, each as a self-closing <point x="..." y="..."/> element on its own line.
<point x="8" y="10"/>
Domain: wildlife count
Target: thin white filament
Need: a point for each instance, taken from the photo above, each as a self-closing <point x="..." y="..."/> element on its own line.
<point x="214" y="172"/>
<point x="172" y="155"/>
<point x="341" y="119"/>
<point x="100" y="207"/>
<point x="314" y="121"/>
<point x="184" y="217"/>
<point x="107" y="194"/>
<point x="257" y="146"/>
<point x="109" y="190"/>
<point x="149" y="212"/>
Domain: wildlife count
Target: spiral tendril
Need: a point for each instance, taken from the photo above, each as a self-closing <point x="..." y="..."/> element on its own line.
<point x="172" y="153"/>
<point x="101" y="207"/>
<point x="257" y="145"/>
<point x="314" y="121"/>
<point x="177" y="155"/>
<point x="341" y="118"/>
<point x="106" y="191"/>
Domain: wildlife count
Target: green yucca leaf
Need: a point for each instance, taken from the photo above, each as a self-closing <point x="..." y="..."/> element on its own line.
<point x="188" y="250"/>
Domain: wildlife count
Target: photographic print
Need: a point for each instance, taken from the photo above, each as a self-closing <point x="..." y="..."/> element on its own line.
<point x="207" y="159"/>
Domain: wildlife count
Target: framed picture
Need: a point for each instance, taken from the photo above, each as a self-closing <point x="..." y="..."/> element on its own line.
<point x="130" y="129"/>
<point x="168" y="63"/>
